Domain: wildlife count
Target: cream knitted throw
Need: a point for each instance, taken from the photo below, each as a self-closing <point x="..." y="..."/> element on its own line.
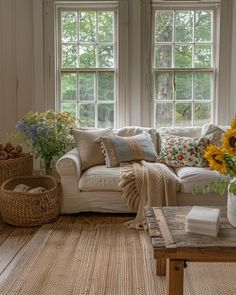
<point x="147" y="184"/>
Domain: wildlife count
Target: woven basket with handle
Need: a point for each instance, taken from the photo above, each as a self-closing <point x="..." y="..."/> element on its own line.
<point x="29" y="209"/>
<point x="16" y="167"/>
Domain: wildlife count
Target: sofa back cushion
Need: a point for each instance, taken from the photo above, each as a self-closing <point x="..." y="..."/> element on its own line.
<point x="119" y="149"/>
<point x="181" y="131"/>
<point x="89" y="149"/>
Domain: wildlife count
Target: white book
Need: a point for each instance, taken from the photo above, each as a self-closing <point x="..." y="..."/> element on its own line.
<point x="203" y="220"/>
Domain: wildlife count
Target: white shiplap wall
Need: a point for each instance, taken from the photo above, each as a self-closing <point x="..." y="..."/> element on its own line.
<point x="232" y="92"/>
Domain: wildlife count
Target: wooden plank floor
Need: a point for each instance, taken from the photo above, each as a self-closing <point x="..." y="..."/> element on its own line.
<point x="19" y="244"/>
<point x="94" y="254"/>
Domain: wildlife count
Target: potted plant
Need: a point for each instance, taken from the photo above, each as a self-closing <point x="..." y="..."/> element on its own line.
<point x="47" y="133"/>
<point x="223" y="159"/>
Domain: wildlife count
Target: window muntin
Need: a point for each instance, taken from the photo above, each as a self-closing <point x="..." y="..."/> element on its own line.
<point x="87" y="65"/>
<point x="183" y="66"/>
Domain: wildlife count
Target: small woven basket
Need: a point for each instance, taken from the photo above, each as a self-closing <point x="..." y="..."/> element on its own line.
<point x="29" y="209"/>
<point x="16" y="167"/>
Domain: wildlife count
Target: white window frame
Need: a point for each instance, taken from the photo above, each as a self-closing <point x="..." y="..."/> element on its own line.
<point x="50" y="53"/>
<point x="135" y="103"/>
<point x="77" y="70"/>
<point x="214" y="100"/>
<point x="60" y="70"/>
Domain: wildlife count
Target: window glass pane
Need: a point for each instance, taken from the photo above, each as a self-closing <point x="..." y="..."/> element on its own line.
<point x="203" y="20"/>
<point x="163" y="56"/>
<point x="68" y="86"/>
<point x="183" y="114"/>
<point x="105" y="26"/>
<point x="105" y="56"/>
<point x="203" y="83"/>
<point x="86" y="86"/>
<point x="183" y="86"/>
<point x="105" y="115"/>
<point x="69" y="107"/>
<point x="105" y="86"/>
<point x="183" y="56"/>
<point x="69" y="26"/>
<point x="202" y="113"/>
<point x="87" y="114"/>
<point x="87" y="26"/>
<point x="87" y="56"/>
<point x="163" y="114"/>
<point x="164" y="26"/>
<point x="163" y="86"/>
<point x="69" y="56"/>
<point x="203" y="56"/>
<point x="184" y="26"/>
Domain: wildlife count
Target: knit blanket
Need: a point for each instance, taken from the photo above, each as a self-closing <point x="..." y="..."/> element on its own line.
<point x="146" y="184"/>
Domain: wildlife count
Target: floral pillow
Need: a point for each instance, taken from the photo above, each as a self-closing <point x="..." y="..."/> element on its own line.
<point x="179" y="151"/>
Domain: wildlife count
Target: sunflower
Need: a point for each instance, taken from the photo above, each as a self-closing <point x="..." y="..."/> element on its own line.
<point x="229" y="141"/>
<point x="215" y="157"/>
<point x="233" y="123"/>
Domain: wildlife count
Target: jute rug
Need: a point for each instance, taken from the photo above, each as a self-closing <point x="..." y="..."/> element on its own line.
<point x="92" y="256"/>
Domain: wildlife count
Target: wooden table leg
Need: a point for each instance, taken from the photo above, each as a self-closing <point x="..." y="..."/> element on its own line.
<point x="161" y="266"/>
<point x="175" y="277"/>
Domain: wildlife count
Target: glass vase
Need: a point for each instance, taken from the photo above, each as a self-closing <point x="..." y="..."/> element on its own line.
<point x="46" y="167"/>
<point x="231" y="203"/>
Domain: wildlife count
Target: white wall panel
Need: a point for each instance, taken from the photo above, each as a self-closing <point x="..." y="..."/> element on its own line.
<point x="24" y="57"/>
<point x="232" y="101"/>
<point x="8" y="81"/>
<point x="21" y="61"/>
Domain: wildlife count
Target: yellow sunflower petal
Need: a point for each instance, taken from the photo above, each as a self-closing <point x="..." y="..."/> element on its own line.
<point x="215" y="157"/>
<point x="229" y="141"/>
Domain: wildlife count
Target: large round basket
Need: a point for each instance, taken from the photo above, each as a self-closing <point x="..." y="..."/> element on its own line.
<point x="16" y="167"/>
<point x="29" y="209"/>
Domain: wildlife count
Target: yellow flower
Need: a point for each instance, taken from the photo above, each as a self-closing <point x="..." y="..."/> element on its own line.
<point x="215" y="157"/>
<point x="229" y="141"/>
<point x="233" y="123"/>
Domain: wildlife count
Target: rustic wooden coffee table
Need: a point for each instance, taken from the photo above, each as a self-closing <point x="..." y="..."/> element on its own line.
<point x="173" y="247"/>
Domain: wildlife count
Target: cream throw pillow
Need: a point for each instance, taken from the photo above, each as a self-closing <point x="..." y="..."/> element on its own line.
<point x="89" y="150"/>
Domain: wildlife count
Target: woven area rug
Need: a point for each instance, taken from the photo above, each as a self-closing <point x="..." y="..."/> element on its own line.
<point x="98" y="256"/>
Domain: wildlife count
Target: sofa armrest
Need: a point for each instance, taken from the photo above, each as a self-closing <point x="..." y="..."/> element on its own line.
<point x="69" y="164"/>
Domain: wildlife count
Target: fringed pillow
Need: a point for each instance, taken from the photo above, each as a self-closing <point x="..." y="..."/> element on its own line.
<point x="119" y="149"/>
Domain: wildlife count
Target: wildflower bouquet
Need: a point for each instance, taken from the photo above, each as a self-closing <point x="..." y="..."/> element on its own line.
<point x="223" y="159"/>
<point x="47" y="133"/>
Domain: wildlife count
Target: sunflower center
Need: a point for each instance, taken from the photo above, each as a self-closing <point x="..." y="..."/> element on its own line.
<point x="216" y="158"/>
<point x="232" y="141"/>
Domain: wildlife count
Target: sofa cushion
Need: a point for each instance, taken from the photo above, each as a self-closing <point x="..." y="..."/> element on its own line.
<point x="196" y="176"/>
<point x="89" y="149"/>
<point x="179" y="151"/>
<point x="100" y="178"/>
<point x="118" y="149"/>
<point x="135" y="130"/>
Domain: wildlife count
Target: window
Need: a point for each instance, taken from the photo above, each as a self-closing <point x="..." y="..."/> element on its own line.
<point x="183" y="66"/>
<point x="86" y="64"/>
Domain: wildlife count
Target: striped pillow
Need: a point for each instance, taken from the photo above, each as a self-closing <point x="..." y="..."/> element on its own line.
<point x="119" y="149"/>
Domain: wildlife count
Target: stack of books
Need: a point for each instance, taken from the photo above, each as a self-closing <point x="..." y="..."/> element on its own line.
<point x="203" y="220"/>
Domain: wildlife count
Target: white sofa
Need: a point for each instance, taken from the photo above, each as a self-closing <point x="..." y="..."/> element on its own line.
<point x="97" y="188"/>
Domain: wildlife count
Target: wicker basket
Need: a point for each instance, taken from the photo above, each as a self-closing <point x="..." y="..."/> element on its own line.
<point x="16" y="167"/>
<point x="29" y="209"/>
